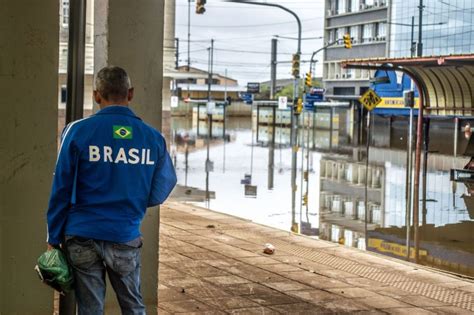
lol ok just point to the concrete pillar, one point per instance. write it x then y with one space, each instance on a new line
29 46
130 34
169 58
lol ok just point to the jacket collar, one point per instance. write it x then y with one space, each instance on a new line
117 109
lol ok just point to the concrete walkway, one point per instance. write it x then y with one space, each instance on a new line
212 263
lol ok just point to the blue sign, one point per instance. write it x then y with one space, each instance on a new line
314 96
247 97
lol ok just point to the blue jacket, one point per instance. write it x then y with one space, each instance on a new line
110 168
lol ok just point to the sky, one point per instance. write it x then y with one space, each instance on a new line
242 36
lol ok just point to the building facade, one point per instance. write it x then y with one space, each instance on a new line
63 53
366 22
446 27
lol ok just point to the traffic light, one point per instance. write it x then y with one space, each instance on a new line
409 98
200 6
308 80
295 65
305 199
347 41
299 105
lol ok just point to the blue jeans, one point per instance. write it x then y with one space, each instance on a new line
91 260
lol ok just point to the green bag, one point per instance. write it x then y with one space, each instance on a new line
53 269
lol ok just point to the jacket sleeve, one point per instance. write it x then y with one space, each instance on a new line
61 192
164 177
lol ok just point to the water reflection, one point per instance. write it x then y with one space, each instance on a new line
251 179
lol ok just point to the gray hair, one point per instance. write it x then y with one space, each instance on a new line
112 83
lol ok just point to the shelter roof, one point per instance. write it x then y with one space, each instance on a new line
447 82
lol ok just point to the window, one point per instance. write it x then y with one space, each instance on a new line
354 32
344 90
340 33
342 8
349 73
354 5
334 9
331 36
214 81
63 94
381 30
367 33
65 14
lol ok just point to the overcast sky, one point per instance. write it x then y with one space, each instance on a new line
243 34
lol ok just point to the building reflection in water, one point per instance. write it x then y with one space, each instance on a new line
336 173
446 231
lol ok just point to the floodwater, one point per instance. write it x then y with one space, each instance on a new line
250 177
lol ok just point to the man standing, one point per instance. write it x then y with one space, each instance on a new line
110 168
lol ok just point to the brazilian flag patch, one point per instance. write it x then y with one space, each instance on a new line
122 132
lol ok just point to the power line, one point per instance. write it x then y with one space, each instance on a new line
449 4
435 37
240 64
247 38
249 25
250 51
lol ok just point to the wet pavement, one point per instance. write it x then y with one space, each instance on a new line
213 263
249 177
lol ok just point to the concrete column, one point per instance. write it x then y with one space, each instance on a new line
29 47
130 34
169 57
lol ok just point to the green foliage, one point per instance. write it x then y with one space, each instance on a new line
264 92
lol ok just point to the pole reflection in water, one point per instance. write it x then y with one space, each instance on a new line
338 197
271 151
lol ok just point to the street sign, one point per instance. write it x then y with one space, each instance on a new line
315 95
209 166
253 87
174 101
247 97
370 99
250 191
282 102
211 106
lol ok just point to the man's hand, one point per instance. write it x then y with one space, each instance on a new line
50 247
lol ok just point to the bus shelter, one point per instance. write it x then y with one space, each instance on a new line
446 87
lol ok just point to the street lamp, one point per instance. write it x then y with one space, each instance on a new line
294 112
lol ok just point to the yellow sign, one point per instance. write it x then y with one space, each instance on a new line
393 248
395 102
370 99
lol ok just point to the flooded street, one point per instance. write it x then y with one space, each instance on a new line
251 178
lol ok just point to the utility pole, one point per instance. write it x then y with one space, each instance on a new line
273 65
209 117
209 78
412 44
420 29
294 112
176 54
189 35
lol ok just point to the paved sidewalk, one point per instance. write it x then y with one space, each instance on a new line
212 263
